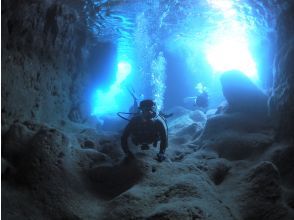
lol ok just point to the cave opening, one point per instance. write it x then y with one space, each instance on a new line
194 46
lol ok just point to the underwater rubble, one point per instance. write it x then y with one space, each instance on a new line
235 174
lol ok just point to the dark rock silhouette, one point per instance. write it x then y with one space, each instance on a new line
243 95
111 181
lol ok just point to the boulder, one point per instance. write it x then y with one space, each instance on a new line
242 94
45 160
234 145
261 198
15 142
282 157
232 122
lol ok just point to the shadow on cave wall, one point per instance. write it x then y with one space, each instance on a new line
108 182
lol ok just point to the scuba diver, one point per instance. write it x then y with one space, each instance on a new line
146 128
201 100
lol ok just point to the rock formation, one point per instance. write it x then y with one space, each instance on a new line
281 102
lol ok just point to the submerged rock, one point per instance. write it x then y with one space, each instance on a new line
242 95
111 181
15 142
262 194
235 136
185 125
46 174
235 132
239 145
282 156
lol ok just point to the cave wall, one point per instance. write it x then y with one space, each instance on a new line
44 46
282 99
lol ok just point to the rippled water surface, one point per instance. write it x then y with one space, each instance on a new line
184 18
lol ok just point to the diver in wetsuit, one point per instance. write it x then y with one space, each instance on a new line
201 100
145 128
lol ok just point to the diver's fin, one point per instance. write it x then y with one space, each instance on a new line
132 93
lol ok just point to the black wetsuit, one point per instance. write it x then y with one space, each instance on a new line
144 131
202 100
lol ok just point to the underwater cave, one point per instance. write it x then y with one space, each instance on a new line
220 76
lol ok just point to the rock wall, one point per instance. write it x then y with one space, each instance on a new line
43 53
281 103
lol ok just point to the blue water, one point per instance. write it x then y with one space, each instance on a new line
205 37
